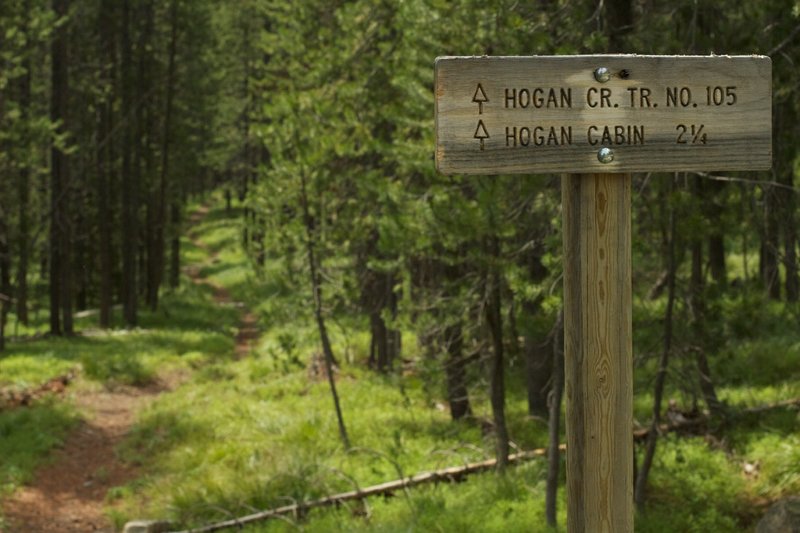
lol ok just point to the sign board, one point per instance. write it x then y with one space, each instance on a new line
603 113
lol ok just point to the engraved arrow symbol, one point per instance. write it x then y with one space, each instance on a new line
481 133
479 98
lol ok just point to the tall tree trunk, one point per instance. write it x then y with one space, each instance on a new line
553 422
783 206
23 197
716 258
697 309
790 243
619 22
60 286
456 373
144 157
175 247
105 160
661 376
538 352
104 214
769 245
713 203
81 247
494 320
380 297
5 276
316 288
129 189
164 187
538 368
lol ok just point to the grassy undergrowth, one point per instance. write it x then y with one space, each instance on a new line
187 333
260 432
256 433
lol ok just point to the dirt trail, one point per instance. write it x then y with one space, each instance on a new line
248 330
68 494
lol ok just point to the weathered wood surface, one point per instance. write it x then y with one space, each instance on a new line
598 352
497 115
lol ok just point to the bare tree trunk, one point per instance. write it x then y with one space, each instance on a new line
769 245
175 253
105 160
538 369
456 373
619 22
5 276
59 177
661 376
789 225
698 310
23 193
538 354
790 260
158 248
713 202
494 320
144 157
129 189
23 197
380 297
316 288
554 422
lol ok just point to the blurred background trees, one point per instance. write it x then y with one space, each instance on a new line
317 117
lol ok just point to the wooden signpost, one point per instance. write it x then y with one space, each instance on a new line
596 119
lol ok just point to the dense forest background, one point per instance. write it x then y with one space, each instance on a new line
312 123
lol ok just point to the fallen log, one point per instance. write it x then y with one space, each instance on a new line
794 402
11 399
452 474
699 421
640 435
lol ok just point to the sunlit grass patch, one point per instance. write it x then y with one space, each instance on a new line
777 458
692 488
261 435
261 432
29 365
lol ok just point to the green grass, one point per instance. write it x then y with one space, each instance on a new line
26 435
188 322
260 432
189 332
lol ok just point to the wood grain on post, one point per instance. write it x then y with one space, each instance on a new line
598 352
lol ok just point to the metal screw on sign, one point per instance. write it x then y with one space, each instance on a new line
602 74
605 155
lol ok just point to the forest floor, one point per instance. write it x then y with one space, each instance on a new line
69 492
218 425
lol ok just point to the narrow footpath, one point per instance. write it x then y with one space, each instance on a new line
69 493
248 331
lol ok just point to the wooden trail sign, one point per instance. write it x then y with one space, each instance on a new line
597 119
501 115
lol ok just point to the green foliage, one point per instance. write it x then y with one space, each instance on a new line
692 489
260 433
326 107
